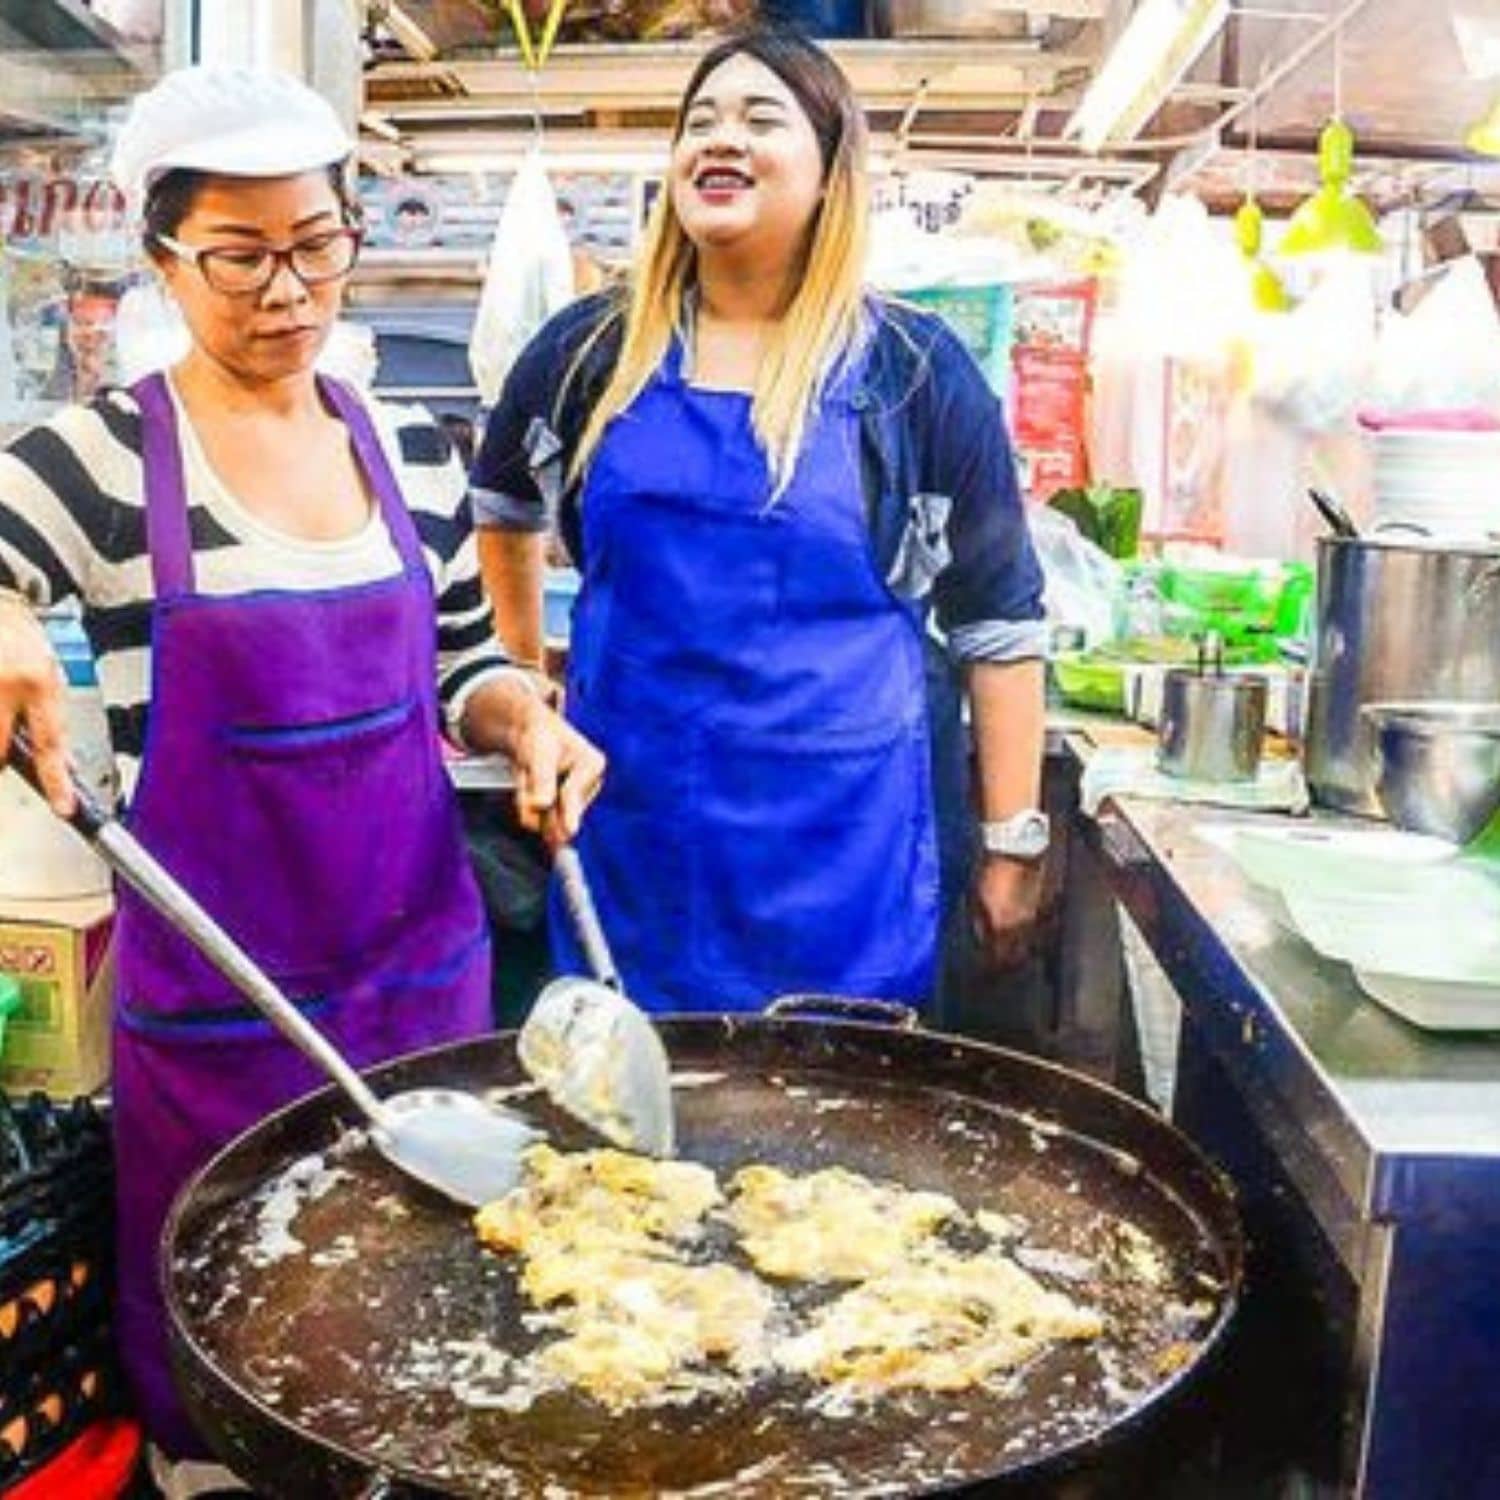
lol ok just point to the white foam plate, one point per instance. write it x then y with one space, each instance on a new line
1435 1004
1449 933
1314 857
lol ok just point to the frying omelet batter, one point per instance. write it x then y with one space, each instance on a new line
644 1329
593 1200
937 1322
832 1225
605 1240
602 1234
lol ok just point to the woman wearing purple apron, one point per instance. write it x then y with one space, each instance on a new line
282 594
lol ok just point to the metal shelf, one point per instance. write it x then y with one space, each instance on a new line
72 36
649 75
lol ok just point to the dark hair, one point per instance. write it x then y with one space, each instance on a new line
171 197
460 432
816 82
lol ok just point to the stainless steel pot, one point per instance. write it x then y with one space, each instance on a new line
1213 727
1394 623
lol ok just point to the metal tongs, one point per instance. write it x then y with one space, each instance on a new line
447 1139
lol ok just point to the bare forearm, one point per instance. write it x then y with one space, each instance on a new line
497 715
511 563
1008 712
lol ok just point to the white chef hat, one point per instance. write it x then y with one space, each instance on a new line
239 122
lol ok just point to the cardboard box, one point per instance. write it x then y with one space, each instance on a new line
61 953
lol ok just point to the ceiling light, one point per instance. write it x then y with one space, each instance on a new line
1333 218
1267 294
1160 42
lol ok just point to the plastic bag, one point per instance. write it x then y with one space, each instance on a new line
1444 356
1082 581
529 277
1312 366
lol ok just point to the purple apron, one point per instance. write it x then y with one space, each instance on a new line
292 781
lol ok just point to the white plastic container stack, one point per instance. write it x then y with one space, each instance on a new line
1417 920
1441 484
41 858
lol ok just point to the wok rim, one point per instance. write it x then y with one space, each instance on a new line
1219 1211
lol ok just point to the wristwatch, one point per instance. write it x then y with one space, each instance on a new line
1024 836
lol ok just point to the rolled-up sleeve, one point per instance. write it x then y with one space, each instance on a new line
508 485
989 596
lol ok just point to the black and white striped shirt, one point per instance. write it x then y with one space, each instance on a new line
73 526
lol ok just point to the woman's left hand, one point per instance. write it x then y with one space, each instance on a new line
1003 909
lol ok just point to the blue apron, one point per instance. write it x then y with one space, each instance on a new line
766 823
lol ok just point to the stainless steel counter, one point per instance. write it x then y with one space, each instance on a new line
1366 1152
1408 1119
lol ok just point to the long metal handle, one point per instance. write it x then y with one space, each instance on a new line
580 904
144 873
1338 519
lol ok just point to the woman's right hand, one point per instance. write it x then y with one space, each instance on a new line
31 689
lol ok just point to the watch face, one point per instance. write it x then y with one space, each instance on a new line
1023 837
1031 837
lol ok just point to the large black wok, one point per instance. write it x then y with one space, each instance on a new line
368 1355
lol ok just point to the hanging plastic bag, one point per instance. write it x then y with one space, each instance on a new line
529 277
1313 365
1444 356
1082 582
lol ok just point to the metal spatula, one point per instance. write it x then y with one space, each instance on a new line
591 1047
445 1138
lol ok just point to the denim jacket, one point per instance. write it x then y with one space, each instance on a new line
947 524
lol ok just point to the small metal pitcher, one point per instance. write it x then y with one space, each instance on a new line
1213 724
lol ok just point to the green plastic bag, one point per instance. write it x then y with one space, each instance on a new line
1108 517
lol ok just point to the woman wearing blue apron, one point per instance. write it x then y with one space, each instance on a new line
786 498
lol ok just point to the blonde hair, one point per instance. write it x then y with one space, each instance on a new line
822 323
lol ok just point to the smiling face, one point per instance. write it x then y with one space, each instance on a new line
747 169
279 331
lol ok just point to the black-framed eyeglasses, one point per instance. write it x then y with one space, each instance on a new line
241 271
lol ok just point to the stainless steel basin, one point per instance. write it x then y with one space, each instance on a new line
1437 765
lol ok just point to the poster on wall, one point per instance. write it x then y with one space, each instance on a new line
1048 411
1056 315
1052 333
1194 452
68 251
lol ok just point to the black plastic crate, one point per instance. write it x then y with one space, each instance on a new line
42 1411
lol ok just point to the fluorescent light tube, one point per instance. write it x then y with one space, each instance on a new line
1160 42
